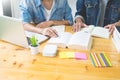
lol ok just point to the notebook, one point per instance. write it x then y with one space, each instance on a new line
97 31
78 41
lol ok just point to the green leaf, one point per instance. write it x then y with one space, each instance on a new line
33 41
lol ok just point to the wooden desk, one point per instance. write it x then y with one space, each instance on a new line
17 63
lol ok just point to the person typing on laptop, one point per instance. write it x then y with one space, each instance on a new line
44 14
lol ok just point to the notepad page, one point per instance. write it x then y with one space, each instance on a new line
61 41
100 32
80 41
59 28
39 37
88 29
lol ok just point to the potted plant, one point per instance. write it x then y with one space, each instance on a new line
34 45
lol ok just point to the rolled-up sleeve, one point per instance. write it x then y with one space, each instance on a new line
68 14
25 14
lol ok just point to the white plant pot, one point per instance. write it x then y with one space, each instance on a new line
34 50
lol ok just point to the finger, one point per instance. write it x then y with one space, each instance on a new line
78 27
52 33
55 31
107 26
47 32
84 25
74 27
112 29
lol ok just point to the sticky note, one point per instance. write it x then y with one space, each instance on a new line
81 56
63 55
70 55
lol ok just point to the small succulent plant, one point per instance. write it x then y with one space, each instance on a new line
33 41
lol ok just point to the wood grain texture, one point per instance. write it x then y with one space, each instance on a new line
17 63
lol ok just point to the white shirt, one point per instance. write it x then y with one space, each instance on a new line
47 12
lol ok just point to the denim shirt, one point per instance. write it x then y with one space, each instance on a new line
33 11
90 10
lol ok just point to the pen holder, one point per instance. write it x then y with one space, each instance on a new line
34 50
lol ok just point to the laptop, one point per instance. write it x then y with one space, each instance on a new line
11 30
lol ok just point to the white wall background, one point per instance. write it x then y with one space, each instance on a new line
15 8
16 11
1 10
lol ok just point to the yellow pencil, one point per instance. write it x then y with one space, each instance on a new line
102 63
94 60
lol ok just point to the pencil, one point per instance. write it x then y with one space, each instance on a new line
92 60
108 61
96 58
103 59
99 58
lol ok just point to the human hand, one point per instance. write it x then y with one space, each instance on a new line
50 32
45 24
78 25
111 28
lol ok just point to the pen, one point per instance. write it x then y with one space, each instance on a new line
55 32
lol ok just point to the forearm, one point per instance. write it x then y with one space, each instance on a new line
64 22
117 23
32 28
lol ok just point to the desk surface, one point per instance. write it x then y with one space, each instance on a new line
17 63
